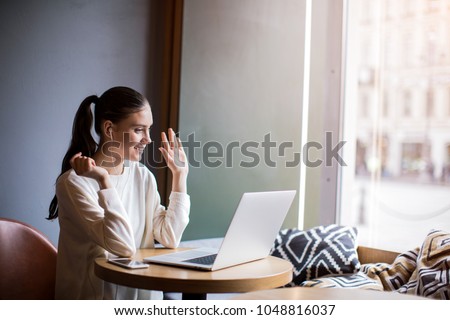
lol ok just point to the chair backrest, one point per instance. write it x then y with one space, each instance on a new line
28 262
372 255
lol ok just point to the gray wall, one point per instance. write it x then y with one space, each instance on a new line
53 54
242 71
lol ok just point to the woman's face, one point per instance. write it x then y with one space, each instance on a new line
131 135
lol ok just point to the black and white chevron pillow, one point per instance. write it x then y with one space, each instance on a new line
320 251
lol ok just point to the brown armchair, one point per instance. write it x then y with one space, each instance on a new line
28 262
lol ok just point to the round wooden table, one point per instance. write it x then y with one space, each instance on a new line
307 293
267 273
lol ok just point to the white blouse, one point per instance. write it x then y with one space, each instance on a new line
111 222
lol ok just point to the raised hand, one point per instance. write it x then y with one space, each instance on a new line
173 152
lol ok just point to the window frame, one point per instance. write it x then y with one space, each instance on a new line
324 184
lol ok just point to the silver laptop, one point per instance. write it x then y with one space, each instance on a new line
250 236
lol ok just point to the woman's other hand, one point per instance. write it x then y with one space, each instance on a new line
86 167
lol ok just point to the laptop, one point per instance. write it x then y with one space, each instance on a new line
250 236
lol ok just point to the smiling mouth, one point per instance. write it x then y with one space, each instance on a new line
140 148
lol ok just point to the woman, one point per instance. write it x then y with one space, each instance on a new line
107 201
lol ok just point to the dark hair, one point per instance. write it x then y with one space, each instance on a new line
114 104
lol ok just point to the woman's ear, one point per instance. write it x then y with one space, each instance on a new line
108 129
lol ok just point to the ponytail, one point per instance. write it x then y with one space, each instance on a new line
82 141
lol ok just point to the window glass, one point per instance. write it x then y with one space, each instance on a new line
399 93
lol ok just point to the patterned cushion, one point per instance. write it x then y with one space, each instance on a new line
357 281
431 278
317 252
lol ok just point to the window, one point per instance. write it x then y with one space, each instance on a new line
397 185
406 104
432 5
429 105
448 102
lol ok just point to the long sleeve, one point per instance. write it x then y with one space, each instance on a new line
169 225
165 225
104 220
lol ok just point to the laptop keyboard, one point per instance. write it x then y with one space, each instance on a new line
206 260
